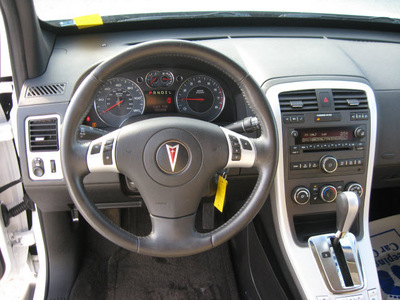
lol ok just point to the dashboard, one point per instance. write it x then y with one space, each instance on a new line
334 94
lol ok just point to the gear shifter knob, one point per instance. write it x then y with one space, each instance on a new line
347 204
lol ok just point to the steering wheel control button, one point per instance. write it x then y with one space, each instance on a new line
96 148
236 149
328 193
107 152
301 195
172 157
234 141
246 145
329 164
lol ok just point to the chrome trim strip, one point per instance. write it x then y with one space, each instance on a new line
300 260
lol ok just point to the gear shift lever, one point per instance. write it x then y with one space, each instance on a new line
347 204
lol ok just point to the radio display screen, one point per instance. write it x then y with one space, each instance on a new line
324 135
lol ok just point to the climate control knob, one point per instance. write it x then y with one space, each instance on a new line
301 195
356 188
328 163
328 193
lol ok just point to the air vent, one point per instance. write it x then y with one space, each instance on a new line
46 90
304 100
349 99
43 135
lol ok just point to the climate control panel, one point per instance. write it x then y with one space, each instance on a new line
321 193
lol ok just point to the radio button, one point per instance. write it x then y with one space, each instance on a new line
329 164
360 146
294 150
295 166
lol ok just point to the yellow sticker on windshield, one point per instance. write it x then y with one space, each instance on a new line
220 195
88 21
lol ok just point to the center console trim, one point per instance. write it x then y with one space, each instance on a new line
301 261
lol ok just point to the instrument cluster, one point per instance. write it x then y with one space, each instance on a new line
156 91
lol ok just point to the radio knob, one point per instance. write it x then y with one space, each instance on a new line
294 133
328 193
329 164
356 188
301 195
360 132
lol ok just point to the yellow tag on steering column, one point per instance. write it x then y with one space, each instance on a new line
220 195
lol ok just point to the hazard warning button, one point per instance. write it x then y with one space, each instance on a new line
325 98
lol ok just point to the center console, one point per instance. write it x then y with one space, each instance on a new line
327 131
326 136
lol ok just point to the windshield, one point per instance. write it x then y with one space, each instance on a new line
50 10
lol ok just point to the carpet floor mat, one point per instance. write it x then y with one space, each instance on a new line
385 239
127 275
204 276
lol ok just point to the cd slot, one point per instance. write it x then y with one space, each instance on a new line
324 149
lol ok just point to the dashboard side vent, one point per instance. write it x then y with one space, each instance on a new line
302 100
349 99
46 90
43 135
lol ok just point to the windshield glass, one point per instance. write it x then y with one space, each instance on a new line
50 10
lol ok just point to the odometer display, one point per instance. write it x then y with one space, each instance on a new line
117 100
201 96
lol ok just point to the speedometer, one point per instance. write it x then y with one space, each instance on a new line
201 96
117 100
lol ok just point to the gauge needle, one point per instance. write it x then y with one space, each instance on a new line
154 79
118 103
193 99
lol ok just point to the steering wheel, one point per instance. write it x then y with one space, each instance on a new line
170 159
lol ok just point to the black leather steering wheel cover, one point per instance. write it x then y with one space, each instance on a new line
73 154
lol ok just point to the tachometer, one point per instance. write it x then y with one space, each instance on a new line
201 96
118 99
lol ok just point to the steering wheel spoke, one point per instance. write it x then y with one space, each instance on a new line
242 150
101 154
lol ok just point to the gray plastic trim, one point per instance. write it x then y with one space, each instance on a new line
300 260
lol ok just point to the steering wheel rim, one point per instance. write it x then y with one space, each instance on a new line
176 237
